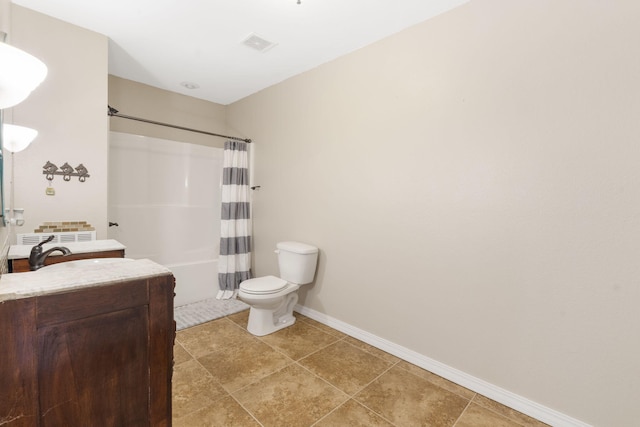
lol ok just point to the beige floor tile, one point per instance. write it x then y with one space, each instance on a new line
221 357
437 380
507 412
235 367
180 355
352 414
477 416
408 400
345 366
291 397
299 340
193 388
321 326
371 349
240 318
223 413
212 336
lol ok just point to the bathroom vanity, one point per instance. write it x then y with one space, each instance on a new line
87 344
19 254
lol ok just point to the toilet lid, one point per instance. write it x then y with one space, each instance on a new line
263 285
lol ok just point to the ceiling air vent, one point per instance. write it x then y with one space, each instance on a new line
256 42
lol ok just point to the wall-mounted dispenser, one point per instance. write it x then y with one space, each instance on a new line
14 216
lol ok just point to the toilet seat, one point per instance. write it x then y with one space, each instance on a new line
263 285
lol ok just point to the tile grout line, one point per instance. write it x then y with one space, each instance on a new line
396 364
204 407
357 403
293 362
206 370
231 394
302 318
498 413
346 340
245 409
337 340
296 362
318 350
227 393
349 396
367 385
462 413
436 384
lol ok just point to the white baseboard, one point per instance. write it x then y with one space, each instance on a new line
505 397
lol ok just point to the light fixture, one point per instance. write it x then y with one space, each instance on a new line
20 74
17 138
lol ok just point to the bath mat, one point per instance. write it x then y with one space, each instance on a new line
204 311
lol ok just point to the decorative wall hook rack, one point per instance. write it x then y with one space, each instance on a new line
49 170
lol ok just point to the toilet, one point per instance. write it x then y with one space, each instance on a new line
272 298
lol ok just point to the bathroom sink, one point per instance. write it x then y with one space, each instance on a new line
82 263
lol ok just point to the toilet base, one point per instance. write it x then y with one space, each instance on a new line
264 321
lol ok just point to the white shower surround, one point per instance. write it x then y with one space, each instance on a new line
165 196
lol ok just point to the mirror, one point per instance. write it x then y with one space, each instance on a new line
2 213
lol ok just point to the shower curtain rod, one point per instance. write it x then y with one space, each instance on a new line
112 112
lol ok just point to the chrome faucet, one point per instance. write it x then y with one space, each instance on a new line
37 257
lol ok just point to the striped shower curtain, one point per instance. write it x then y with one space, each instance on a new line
234 263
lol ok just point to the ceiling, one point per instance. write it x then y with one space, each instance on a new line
164 43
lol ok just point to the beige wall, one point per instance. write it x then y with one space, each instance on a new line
69 111
139 100
473 185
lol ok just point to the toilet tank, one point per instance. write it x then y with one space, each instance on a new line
297 262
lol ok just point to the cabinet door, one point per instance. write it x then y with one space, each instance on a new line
94 371
18 377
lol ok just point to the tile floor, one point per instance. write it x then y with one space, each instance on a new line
312 375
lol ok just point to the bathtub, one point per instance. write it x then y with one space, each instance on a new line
165 197
195 281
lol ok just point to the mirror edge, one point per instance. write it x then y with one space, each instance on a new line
3 223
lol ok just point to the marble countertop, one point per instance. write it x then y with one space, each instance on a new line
42 282
23 251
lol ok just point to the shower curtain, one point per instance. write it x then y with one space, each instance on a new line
234 264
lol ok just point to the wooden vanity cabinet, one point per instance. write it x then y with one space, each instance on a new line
98 356
20 265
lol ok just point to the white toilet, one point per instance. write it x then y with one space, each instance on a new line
272 298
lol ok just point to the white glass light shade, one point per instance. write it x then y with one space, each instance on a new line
20 74
17 138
